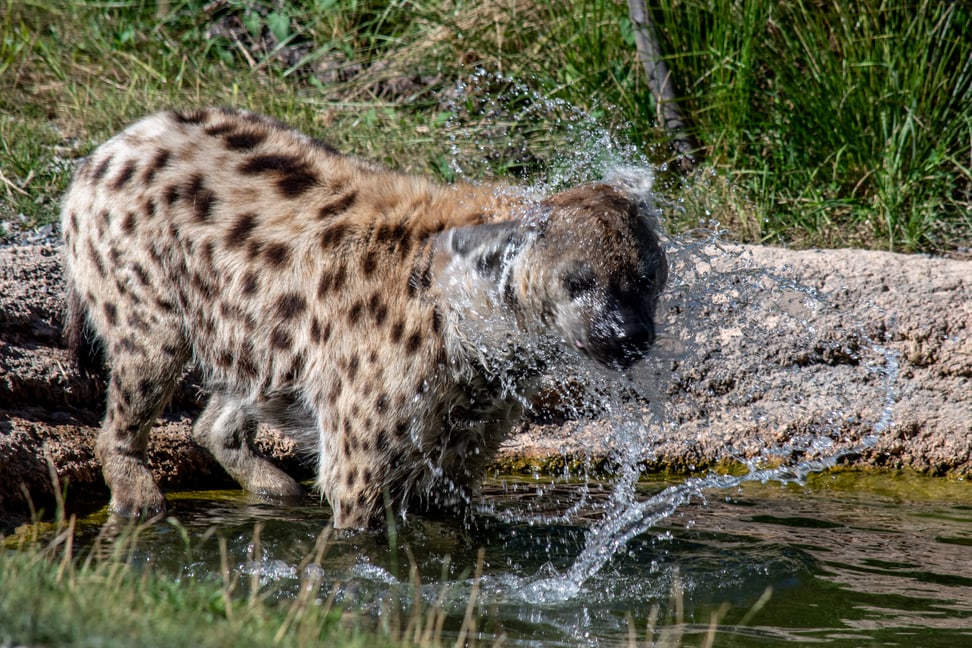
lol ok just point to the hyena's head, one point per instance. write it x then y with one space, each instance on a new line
596 268
584 265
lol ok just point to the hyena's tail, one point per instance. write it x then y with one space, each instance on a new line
86 349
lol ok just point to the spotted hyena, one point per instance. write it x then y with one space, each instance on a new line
395 326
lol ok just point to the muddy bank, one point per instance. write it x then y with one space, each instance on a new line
763 347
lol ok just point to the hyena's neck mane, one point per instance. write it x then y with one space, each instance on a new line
478 273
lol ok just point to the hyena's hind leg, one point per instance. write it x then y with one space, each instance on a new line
145 369
226 428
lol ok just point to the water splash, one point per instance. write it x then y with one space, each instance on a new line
718 297
720 292
500 127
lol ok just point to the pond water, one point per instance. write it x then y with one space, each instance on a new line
848 559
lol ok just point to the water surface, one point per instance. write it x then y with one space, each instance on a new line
847 560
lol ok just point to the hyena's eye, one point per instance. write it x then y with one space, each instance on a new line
579 280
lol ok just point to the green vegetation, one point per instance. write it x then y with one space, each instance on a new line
51 595
47 597
847 123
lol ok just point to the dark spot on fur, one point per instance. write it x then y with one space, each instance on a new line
240 230
290 306
377 309
353 366
190 116
111 313
335 393
315 331
152 208
401 430
338 205
253 249
158 162
231 311
381 403
96 259
352 477
277 254
251 283
413 342
436 321
202 286
293 175
125 175
208 249
280 338
330 281
245 140
170 195
202 199
369 263
165 305
99 171
397 329
141 274
245 364
381 440
295 370
215 130
326 333
333 235
354 313
128 222
224 360
421 276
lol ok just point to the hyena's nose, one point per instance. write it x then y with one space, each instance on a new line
621 344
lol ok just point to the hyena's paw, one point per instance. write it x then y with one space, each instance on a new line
269 483
134 493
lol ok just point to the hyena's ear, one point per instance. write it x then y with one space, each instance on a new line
486 247
636 184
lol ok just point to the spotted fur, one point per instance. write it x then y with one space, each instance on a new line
392 324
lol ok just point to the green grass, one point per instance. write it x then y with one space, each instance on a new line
843 123
53 595
49 597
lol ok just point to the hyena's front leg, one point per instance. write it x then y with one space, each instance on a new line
226 429
351 473
143 377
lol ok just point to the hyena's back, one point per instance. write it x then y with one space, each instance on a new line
229 239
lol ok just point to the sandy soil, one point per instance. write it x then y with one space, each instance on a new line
767 353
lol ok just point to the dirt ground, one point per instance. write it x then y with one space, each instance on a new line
765 352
